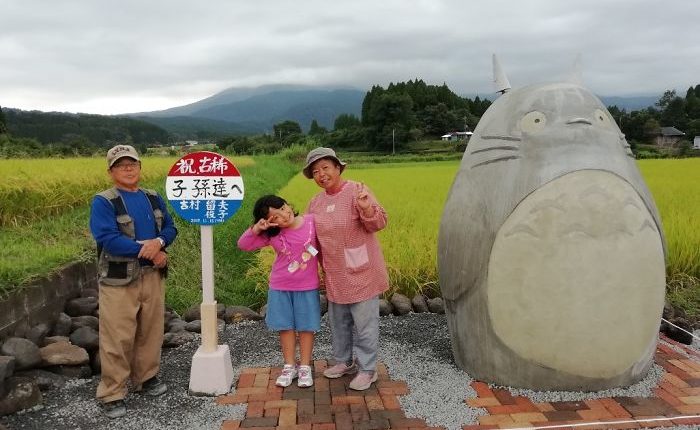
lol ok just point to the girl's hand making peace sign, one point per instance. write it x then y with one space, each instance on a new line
262 225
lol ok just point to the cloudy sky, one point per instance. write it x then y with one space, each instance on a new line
138 55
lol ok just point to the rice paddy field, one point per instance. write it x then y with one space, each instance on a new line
414 193
36 195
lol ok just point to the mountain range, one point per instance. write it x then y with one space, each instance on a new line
256 110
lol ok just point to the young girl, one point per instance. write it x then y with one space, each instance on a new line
292 300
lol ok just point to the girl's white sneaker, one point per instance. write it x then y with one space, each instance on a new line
289 372
306 378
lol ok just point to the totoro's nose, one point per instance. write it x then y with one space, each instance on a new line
579 121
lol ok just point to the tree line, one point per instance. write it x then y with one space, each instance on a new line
41 134
671 110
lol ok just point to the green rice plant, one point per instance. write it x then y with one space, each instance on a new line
674 185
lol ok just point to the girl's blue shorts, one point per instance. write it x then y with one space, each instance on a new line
293 310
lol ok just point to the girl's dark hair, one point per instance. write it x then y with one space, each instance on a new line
262 209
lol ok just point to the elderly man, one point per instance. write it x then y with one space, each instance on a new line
132 228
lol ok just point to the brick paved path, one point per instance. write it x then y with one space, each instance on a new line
678 394
331 405
328 405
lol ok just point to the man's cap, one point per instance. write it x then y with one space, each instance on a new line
318 153
121 151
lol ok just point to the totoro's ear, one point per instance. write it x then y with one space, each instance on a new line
500 80
575 76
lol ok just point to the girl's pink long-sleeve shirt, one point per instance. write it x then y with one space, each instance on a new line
295 267
352 259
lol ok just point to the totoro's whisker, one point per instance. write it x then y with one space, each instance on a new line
631 202
506 158
647 224
504 148
510 138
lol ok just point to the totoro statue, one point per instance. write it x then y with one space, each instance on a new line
550 250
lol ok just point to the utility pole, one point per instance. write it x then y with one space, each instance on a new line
393 150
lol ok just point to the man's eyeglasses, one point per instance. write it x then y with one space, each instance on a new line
126 166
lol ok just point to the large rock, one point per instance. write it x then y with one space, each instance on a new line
45 380
81 372
263 311
63 353
85 321
55 339
86 337
38 333
194 326
240 313
90 292
63 325
171 340
81 306
194 312
419 303
168 316
401 303
436 305
176 325
25 352
7 366
22 393
21 329
385 308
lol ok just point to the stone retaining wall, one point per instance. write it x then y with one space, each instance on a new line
44 299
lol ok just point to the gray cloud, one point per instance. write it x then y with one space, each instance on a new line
112 57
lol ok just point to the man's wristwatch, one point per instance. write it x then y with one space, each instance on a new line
162 242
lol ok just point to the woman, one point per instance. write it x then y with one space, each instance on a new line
347 216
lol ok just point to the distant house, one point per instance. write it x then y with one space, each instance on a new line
191 142
457 135
669 136
696 142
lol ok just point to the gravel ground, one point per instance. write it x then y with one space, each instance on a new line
415 349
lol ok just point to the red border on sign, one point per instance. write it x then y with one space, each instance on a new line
197 158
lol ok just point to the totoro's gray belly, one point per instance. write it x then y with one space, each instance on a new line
576 276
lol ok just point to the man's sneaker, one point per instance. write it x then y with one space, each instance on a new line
363 380
289 372
154 387
114 409
339 370
306 378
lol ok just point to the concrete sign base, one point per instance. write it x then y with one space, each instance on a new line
211 373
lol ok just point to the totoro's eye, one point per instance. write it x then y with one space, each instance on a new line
533 122
601 118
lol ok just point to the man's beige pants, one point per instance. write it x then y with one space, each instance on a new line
131 334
